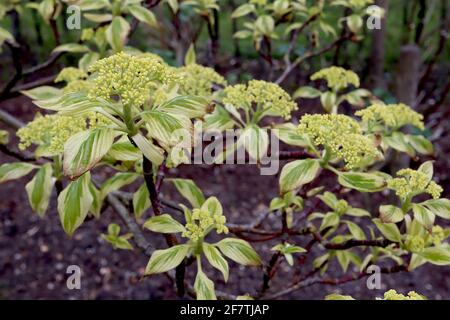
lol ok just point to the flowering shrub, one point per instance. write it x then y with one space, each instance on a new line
131 111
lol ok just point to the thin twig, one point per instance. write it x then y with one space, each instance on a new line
309 55
306 282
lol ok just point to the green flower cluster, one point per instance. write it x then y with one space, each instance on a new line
341 134
393 295
412 182
201 222
77 86
75 79
270 96
198 80
392 115
337 78
129 77
415 243
52 131
341 206
70 74
437 235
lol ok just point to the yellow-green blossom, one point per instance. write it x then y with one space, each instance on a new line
411 182
341 134
87 34
129 77
198 80
415 243
337 78
52 131
269 96
341 206
392 115
437 235
77 86
202 221
393 295
70 74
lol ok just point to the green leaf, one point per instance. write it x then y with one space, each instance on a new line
421 144
255 140
364 182
297 173
328 100
424 216
164 223
143 15
46 9
440 207
39 189
167 259
306 92
173 5
416 261
4 137
213 206
162 125
427 168
218 120
74 203
150 151
16 170
141 201
276 203
98 18
118 181
188 106
125 151
5 35
330 220
113 229
216 259
87 60
287 132
97 201
329 199
85 149
204 287
437 255
343 259
122 243
239 251
358 212
242 10
70 104
355 230
354 23
399 141
71 47
189 58
391 214
242 34
388 230
88 5
189 190
117 32
335 296
265 24
42 93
